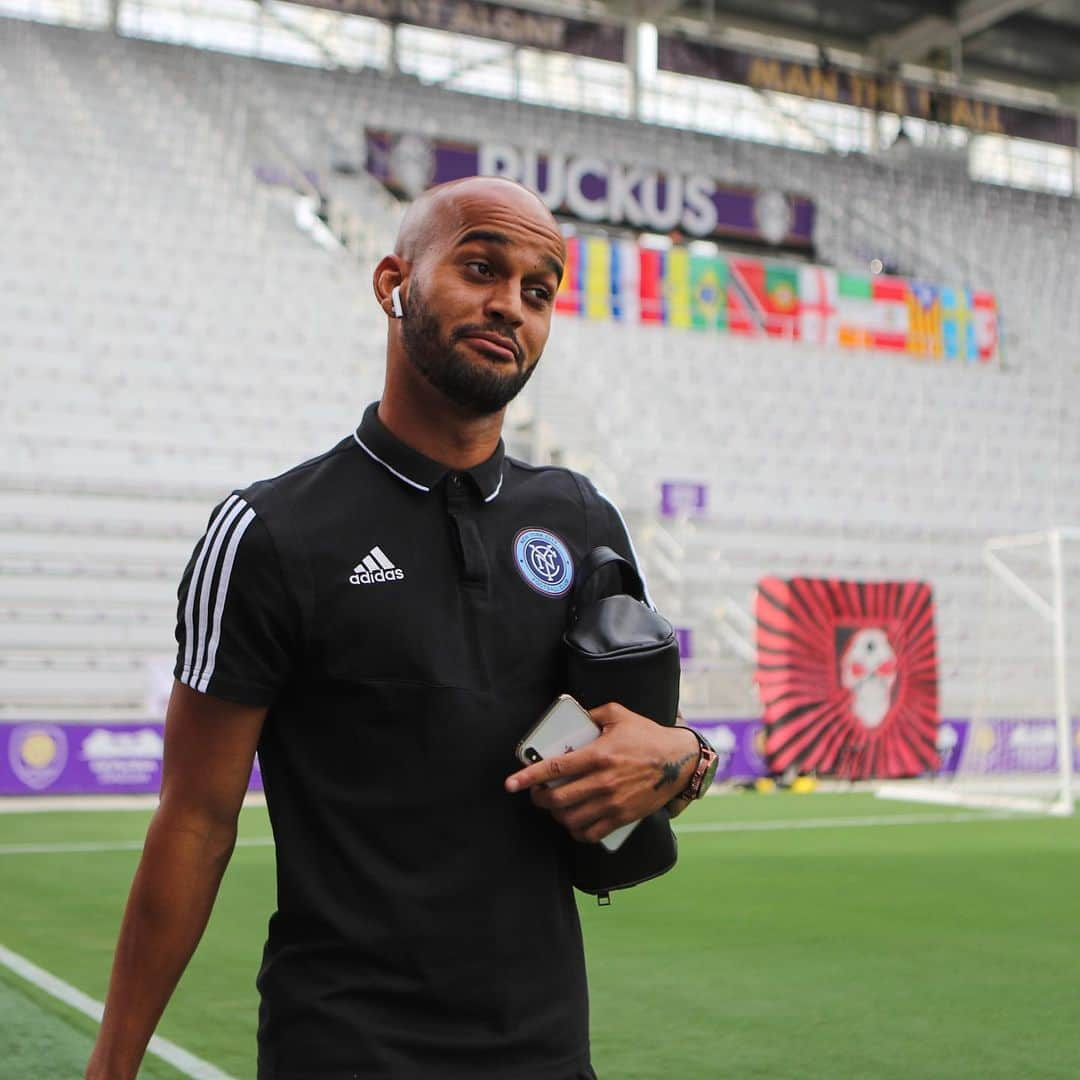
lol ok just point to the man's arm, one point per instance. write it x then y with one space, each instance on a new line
209 749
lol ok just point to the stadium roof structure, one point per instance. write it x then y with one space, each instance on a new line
1027 43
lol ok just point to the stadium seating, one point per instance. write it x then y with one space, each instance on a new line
169 334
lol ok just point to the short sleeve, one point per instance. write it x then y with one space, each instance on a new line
237 626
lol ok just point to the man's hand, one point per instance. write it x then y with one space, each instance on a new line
633 768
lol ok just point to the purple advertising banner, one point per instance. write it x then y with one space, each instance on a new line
599 191
501 22
685 637
1002 745
739 746
677 498
40 758
997 747
848 86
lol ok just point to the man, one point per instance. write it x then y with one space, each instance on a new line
383 624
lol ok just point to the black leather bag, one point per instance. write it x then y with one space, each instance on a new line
619 649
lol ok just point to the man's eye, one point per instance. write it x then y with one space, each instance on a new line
480 267
540 292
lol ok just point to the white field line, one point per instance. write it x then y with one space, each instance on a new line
79 848
689 827
843 822
37 804
178 1058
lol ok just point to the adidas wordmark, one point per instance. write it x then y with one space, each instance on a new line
375 568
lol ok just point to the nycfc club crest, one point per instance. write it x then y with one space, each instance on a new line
543 560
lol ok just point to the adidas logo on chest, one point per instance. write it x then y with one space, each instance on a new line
375 569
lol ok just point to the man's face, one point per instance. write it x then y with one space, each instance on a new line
480 298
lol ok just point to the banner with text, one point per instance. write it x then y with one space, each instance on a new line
500 22
848 86
596 190
1002 746
739 744
683 498
996 747
41 758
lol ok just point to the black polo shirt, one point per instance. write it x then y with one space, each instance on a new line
402 622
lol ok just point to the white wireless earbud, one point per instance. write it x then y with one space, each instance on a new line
395 302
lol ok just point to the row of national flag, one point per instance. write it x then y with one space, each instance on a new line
622 281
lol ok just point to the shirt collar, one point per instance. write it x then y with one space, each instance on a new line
413 468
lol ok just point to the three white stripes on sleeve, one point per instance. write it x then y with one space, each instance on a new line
215 561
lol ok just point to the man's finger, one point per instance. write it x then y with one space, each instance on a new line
557 769
605 715
574 792
592 832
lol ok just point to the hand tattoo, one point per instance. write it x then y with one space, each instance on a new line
669 771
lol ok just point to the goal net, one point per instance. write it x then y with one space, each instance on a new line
1017 747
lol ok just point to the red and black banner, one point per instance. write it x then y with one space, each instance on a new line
848 677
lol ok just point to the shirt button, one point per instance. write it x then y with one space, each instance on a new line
455 479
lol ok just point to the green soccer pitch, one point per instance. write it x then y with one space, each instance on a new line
829 936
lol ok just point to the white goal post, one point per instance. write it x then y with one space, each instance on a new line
1052 792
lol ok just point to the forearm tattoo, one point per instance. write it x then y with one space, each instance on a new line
669 771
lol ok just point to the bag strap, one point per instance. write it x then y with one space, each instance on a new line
596 521
596 531
597 559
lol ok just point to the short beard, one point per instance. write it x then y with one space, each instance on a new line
478 388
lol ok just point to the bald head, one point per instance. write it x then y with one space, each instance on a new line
470 290
441 211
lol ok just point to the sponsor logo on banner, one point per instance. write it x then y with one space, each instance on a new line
678 497
949 743
500 22
413 162
1002 746
123 758
37 754
724 743
84 759
773 215
599 190
1032 746
734 743
850 86
753 748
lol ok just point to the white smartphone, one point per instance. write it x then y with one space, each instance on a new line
564 727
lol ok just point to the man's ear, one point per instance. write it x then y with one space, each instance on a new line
389 276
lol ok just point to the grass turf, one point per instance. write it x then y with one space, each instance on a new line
936 949
41 1040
